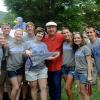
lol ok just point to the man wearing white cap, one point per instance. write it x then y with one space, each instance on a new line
54 43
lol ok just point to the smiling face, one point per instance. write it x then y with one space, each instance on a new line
6 29
90 33
51 30
39 36
18 35
67 34
77 39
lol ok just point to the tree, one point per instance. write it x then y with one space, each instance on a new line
38 11
73 13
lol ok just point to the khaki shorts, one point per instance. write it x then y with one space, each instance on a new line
35 75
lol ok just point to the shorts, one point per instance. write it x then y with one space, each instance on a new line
68 70
82 77
36 75
17 72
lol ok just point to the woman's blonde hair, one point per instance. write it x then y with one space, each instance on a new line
30 23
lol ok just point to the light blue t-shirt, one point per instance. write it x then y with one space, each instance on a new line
39 54
21 26
28 38
95 47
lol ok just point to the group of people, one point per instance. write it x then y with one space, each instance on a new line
40 58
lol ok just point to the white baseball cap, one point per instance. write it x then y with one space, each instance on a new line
50 24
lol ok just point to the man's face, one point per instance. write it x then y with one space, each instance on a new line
51 30
6 30
90 33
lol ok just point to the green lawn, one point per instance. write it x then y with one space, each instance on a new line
95 93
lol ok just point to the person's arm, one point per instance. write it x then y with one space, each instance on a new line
54 56
90 67
5 49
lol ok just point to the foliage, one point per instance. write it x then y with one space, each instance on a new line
73 13
2 14
95 93
9 18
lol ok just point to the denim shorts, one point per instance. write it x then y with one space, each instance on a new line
68 70
17 72
82 77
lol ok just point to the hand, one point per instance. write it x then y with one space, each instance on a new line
56 53
28 53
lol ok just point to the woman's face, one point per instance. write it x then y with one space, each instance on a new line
85 37
78 39
39 36
67 34
18 35
30 28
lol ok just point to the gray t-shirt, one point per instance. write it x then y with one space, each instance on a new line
95 47
68 55
4 60
15 51
80 59
28 38
9 38
38 53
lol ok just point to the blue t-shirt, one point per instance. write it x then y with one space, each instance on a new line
95 47
20 26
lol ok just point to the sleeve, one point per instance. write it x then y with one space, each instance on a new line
87 51
45 47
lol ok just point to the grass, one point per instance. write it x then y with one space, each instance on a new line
95 92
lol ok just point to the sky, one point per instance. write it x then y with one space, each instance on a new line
2 6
